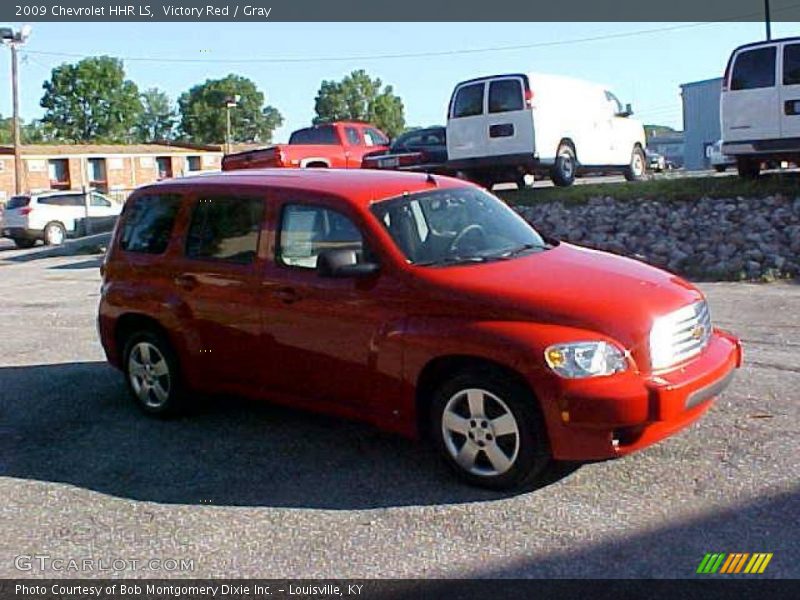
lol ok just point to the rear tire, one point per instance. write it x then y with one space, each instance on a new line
489 430
637 169
748 168
54 234
152 374
565 168
24 242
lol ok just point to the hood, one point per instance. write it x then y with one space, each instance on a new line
572 286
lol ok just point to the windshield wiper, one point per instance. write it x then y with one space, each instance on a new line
520 250
452 260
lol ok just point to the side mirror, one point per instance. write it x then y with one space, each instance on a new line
340 264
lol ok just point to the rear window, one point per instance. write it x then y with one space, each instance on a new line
468 101
324 135
18 202
791 64
64 200
148 223
225 229
505 95
754 69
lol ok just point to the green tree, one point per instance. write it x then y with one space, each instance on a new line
358 97
32 132
203 110
158 118
91 101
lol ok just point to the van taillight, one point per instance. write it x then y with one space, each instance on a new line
25 210
528 98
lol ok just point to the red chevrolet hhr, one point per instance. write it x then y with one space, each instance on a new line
422 304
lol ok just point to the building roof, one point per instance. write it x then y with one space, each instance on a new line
702 82
359 186
106 149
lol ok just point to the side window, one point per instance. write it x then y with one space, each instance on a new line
373 137
754 69
468 101
505 95
791 64
352 136
62 200
225 229
98 200
308 230
148 223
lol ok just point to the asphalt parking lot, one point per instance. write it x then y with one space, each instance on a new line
241 489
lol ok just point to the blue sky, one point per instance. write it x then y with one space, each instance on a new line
645 70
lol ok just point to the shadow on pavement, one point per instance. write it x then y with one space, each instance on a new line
92 263
74 423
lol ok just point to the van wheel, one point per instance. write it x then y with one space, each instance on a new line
565 167
489 430
748 168
152 375
637 169
720 168
24 242
54 234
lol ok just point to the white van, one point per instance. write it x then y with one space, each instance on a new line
504 127
760 105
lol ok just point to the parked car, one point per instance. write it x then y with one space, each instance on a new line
418 150
719 161
760 105
334 145
503 127
420 303
656 162
56 215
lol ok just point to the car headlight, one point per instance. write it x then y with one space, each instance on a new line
578 360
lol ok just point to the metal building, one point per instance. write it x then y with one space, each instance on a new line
701 124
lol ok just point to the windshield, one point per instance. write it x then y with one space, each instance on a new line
457 225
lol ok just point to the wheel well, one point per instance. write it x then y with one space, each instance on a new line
438 370
129 323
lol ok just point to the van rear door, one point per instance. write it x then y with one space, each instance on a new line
750 105
790 91
509 123
466 124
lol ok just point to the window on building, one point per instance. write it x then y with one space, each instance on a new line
754 69
791 64
59 173
469 101
164 167
505 95
225 229
97 173
148 223
193 163
308 230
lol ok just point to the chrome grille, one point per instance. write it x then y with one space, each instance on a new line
680 335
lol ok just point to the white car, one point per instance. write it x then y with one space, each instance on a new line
760 105
719 161
54 216
504 127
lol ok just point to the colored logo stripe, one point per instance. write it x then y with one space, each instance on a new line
735 562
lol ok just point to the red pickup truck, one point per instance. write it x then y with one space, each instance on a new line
339 145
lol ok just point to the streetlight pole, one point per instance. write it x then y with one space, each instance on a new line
767 20
230 102
13 40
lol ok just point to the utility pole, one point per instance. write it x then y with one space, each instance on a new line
767 20
230 102
13 40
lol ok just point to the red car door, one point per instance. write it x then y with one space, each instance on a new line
330 337
217 279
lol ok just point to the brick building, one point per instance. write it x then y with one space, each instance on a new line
115 169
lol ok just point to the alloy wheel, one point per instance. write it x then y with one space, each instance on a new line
149 375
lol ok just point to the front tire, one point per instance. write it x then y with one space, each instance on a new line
637 169
152 374
54 234
489 430
748 168
565 168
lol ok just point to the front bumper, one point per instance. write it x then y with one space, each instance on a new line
601 418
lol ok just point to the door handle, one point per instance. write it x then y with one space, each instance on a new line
187 282
287 295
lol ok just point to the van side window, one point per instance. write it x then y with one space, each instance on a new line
308 230
63 200
754 69
469 101
505 95
791 64
225 229
148 223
